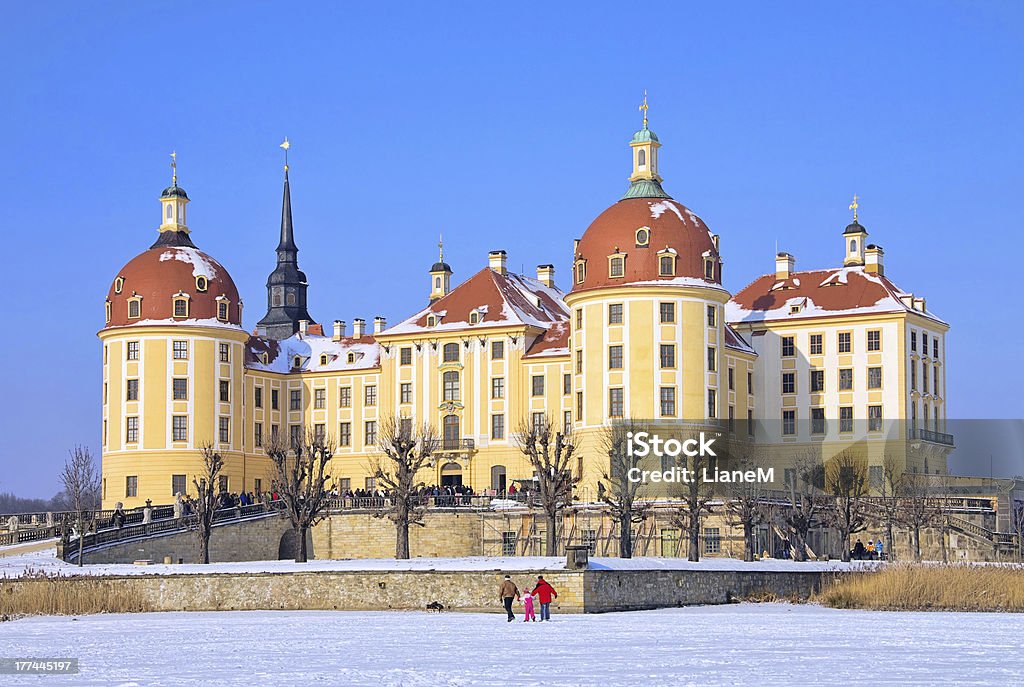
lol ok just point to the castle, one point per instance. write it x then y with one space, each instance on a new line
821 358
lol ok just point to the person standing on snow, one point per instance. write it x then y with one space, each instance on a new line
528 613
508 593
544 593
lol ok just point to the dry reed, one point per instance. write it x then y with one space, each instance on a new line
35 593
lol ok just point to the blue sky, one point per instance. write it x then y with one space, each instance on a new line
503 127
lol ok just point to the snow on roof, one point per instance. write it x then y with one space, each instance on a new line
201 266
183 322
309 348
658 209
554 342
734 340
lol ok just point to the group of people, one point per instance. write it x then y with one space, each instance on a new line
873 551
542 594
447 495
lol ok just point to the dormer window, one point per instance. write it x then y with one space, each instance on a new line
581 271
616 266
201 283
476 317
264 358
643 237
297 362
107 308
180 306
222 308
323 359
134 307
351 358
709 269
431 320
118 284
666 264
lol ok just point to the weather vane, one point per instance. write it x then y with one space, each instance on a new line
174 168
853 206
286 145
643 108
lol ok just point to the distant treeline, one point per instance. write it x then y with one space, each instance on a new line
9 504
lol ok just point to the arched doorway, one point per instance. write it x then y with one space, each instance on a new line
451 475
498 479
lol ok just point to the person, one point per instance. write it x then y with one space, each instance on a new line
528 613
858 550
880 549
871 550
544 593
508 593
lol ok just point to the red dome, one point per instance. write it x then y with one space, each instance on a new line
673 230
162 272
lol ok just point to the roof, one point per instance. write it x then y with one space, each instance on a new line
818 293
500 300
309 348
644 135
554 342
735 341
174 191
645 188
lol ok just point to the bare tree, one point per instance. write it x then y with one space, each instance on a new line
804 502
616 489
550 454
917 510
893 479
846 481
407 450
206 499
81 478
1018 528
697 496
300 480
746 504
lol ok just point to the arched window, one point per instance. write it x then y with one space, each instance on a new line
616 267
666 266
450 384
581 271
296 362
641 158
451 432
181 307
451 353
290 298
709 269
323 358
169 211
351 357
107 306
278 297
853 245
437 282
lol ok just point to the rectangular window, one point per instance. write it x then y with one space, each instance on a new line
345 434
845 342
712 540
935 347
924 344
566 421
497 426
668 313
370 483
788 422
615 313
257 485
537 421
370 433
508 543
732 418
319 399
405 356
131 486
225 390
615 357
712 359
668 401
579 319
450 353
257 434
131 434
935 378
579 362
257 397
817 381
498 387
750 383
846 379
274 403
566 384
275 431
295 435
789 382
712 315
405 392
874 378
913 341
178 485
913 374
345 397
845 419
712 403
222 483
320 431
668 355
817 345
537 383
874 340
874 418
180 350
451 388
579 405
615 407
223 429
817 420
370 395
225 352
924 376
132 392
788 347
295 399
732 381
179 428
133 350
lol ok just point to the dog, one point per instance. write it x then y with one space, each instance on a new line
435 607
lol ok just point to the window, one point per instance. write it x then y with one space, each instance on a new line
431 320
275 431
320 431
405 392
788 347
874 418
874 340
319 399
295 436
666 266
668 355
345 397
924 344
222 483
257 434
712 359
913 374
180 386
616 266
497 350
178 485
118 284
498 426
131 486
350 358
498 387
132 392
924 376
668 313
451 387
579 362
537 421
295 399
579 319
732 383
817 345
323 359
643 235
201 283
789 382
222 310
709 269
750 383
181 307
935 347
508 543
712 540
405 356
913 341
225 352
845 419
712 315
567 422
180 350
474 317
874 378
615 313
134 307
537 383
370 396
579 404
845 342
179 428
817 420
732 418
566 384
712 403
371 483
451 352
370 433
668 401
581 271
615 408
615 357
133 350
345 434
935 378
641 158
257 397
257 485
274 404
225 390
131 430
817 381
788 422
846 379
223 429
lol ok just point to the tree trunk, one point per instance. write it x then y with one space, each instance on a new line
303 554
748 542
915 538
889 551
551 545
204 544
694 553
81 543
402 537
846 547
625 536
799 542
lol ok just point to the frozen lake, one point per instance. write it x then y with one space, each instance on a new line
762 644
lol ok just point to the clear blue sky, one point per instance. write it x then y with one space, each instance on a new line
503 127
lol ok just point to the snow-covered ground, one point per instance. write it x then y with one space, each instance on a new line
746 644
13 566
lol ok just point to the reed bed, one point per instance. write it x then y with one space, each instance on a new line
35 593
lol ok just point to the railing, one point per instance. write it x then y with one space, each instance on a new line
930 436
22 536
998 539
458 444
344 503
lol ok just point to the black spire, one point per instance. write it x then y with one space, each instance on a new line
287 244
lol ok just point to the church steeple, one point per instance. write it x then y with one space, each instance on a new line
645 182
286 285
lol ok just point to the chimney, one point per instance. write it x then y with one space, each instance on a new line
496 260
379 324
303 327
546 275
339 330
785 265
714 240
358 327
873 260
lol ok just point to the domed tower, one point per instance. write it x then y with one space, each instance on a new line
647 306
172 367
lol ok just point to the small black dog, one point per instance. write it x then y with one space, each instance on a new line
435 607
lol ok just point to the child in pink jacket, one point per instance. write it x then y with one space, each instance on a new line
528 607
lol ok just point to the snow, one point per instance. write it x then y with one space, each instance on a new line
201 265
762 644
184 322
309 348
658 209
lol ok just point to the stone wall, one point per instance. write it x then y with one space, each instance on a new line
443 534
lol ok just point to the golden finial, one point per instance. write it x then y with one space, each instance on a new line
853 206
440 247
286 145
174 168
643 108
